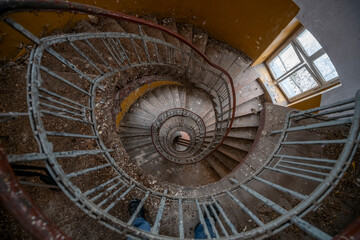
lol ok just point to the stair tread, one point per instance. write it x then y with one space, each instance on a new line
220 168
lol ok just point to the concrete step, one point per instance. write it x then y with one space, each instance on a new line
129 132
159 94
246 121
219 168
136 118
134 110
168 96
244 133
238 143
232 152
145 105
111 25
136 142
251 91
199 39
175 95
186 31
229 162
155 33
182 96
83 26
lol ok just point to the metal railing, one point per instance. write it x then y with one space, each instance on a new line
285 171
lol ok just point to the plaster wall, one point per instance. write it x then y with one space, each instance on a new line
250 26
336 25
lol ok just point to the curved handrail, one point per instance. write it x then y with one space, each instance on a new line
7 7
19 204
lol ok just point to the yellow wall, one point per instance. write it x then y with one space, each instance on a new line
249 26
308 103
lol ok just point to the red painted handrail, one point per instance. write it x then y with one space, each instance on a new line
21 207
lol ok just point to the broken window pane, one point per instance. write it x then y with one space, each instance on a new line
276 67
303 79
308 42
289 57
325 67
289 87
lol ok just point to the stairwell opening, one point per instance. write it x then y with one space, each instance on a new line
104 174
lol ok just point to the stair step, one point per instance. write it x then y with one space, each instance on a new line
155 33
199 39
220 168
251 91
84 26
226 160
238 143
175 95
136 142
246 121
168 96
186 31
145 105
246 77
244 133
232 152
182 96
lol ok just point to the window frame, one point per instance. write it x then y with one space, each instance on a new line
305 60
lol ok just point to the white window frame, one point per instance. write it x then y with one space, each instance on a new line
307 61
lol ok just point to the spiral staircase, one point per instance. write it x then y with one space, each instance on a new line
122 107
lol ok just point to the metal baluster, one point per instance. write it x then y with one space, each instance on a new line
42 156
281 188
22 30
101 186
211 221
97 53
342 109
69 64
218 220
323 107
65 117
85 57
141 204
202 220
156 226
181 222
227 220
109 189
306 158
61 103
117 50
123 50
246 210
316 125
313 231
110 196
295 174
303 170
119 198
145 45
136 51
64 98
78 173
64 134
64 80
61 109
338 141
156 52
307 165
112 54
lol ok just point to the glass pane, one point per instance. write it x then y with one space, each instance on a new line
303 79
289 57
325 67
308 42
289 87
276 67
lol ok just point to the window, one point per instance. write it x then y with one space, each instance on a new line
302 66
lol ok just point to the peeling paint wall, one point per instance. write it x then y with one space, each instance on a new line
249 26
